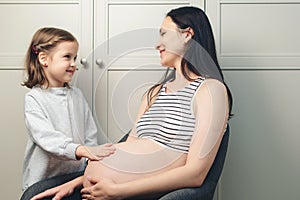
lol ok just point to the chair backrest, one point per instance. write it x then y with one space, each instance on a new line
218 164
207 189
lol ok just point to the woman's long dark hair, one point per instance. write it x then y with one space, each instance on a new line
200 56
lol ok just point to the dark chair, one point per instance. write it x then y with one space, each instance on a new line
205 192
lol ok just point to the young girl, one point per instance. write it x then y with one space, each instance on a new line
59 122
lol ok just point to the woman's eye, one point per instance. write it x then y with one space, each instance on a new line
162 33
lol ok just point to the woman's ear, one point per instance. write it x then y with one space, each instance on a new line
43 59
188 34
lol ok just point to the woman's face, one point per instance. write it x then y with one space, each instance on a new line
171 44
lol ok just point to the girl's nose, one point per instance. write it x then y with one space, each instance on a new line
73 64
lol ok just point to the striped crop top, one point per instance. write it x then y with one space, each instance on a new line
170 120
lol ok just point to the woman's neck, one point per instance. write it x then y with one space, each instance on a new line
178 83
179 77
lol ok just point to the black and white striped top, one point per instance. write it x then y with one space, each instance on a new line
170 120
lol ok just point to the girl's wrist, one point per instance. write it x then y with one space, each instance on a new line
79 152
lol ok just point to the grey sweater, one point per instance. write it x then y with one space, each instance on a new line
58 120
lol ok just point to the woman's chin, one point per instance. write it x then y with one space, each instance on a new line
164 63
168 62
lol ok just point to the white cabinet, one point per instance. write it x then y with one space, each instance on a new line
263 155
19 20
13 135
259 47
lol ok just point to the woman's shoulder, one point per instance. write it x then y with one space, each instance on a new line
209 83
212 87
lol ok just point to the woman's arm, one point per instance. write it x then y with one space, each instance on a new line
61 191
211 113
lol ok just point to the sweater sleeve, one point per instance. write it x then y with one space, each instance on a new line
43 134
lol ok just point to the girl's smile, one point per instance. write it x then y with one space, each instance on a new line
60 64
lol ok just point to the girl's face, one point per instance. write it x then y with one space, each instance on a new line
60 63
171 44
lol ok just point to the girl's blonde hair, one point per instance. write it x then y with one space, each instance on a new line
43 40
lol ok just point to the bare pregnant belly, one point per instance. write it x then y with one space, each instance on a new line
135 159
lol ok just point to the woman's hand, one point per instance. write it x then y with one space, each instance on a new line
58 192
103 189
95 153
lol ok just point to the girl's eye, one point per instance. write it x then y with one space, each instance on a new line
67 56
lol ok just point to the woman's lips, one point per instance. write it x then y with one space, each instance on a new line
160 52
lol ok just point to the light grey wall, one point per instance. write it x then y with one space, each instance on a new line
263 157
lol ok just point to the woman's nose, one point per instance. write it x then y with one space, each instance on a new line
158 44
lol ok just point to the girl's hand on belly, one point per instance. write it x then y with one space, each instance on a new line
95 152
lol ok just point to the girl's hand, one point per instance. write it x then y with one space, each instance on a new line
95 153
103 189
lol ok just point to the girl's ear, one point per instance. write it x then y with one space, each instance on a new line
43 59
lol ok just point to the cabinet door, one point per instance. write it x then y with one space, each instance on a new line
126 89
261 62
263 156
126 32
13 133
19 20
